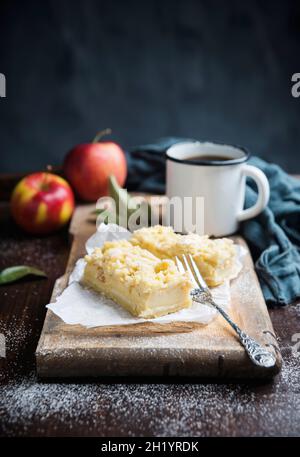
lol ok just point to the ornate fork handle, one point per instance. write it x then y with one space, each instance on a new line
257 353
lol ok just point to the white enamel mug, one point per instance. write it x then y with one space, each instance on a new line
220 183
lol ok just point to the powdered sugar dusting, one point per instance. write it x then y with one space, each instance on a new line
165 409
162 407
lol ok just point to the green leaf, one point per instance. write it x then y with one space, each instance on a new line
120 196
125 204
123 199
12 274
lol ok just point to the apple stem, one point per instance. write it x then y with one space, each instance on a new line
45 179
101 134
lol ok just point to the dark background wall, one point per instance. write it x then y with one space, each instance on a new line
209 69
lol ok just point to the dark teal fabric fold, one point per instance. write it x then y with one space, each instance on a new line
273 236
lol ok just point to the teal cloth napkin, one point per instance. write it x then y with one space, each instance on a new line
273 236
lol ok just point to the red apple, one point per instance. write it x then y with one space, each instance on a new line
42 203
88 167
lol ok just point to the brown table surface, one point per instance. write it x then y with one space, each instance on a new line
123 407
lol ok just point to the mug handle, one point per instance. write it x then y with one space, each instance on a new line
263 192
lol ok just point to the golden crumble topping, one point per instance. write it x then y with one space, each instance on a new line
216 258
135 266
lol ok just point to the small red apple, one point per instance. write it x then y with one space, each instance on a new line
42 203
88 167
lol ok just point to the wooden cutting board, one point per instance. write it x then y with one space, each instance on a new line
148 349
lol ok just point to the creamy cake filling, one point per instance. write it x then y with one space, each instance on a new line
140 282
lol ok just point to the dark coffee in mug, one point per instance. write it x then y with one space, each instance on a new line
209 158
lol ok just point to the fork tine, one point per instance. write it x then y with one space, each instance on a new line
197 273
180 267
188 269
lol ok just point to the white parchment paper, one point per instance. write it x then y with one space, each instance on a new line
80 305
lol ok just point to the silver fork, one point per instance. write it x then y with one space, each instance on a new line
201 294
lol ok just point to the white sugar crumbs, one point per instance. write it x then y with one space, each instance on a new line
157 409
